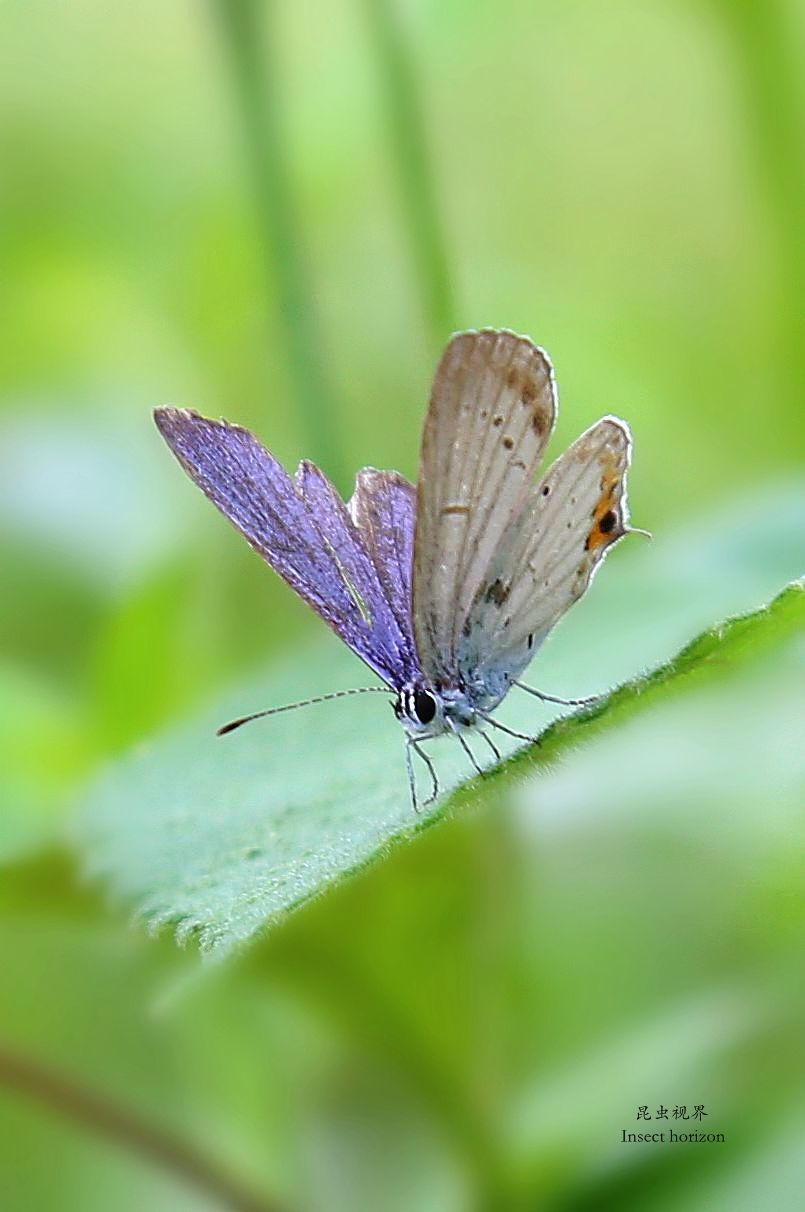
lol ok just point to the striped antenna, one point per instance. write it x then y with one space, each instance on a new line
321 698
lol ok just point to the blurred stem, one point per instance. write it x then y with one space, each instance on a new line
248 29
354 993
766 52
406 127
37 1081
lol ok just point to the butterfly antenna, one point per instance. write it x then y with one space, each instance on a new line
320 698
552 698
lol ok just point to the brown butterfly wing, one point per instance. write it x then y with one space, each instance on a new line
491 413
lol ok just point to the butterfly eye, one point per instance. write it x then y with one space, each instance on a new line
424 706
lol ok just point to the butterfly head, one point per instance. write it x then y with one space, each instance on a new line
427 711
419 709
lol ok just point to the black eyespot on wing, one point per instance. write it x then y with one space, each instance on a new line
424 706
608 521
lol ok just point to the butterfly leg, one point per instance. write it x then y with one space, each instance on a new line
464 745
431 771
521 736
491 744
409 767
552 698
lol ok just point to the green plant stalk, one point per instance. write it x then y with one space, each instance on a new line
245 30
354 994
766 69
406 131
78 1103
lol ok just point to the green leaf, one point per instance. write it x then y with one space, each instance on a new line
712 654
221 837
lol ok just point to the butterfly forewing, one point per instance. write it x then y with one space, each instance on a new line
491 413
570 521
301 527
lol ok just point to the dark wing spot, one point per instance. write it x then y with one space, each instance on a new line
519 380
546 488
497 592
604 526
531 641
539 421
508 442
522 381
498 421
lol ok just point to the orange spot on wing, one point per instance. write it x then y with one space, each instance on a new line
607 525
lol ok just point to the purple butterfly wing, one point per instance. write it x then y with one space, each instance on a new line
301 527
377 583
383 507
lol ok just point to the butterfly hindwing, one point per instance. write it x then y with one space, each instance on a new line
383 508
491 413
572 518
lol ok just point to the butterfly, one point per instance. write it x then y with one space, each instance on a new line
445 590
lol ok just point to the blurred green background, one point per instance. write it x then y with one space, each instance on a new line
279 213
